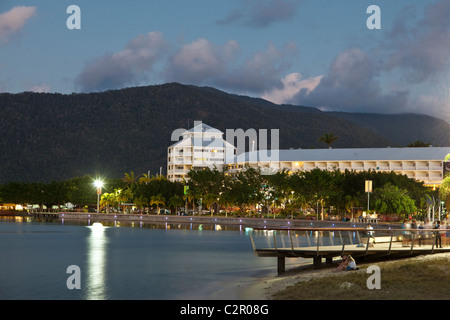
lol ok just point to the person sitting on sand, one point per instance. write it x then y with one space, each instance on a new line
351 264
347 263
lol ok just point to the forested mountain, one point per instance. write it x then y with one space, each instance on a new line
54 136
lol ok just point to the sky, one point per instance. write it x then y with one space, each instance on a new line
316 53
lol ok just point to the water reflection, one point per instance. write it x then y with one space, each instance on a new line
96 265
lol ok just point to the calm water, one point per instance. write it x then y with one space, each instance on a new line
126 262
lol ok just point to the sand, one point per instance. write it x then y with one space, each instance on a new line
265 288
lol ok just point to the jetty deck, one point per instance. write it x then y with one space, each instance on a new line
328 243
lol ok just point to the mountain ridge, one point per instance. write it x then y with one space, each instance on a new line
52 136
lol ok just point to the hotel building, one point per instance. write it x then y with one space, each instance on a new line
203 146
200 147
422 164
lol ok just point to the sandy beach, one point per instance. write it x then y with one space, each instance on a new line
267 287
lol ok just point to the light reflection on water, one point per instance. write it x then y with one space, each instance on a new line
97 244
123 261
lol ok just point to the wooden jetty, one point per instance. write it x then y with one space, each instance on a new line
327 243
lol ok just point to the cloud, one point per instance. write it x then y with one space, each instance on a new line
421 52
202 62
262 71
292 85
406 72
262 13
126 67
351 85
14 20
40 88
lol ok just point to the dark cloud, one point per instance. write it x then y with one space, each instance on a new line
262 71
126 67
262 13
202 62
422 51
414 56
351 85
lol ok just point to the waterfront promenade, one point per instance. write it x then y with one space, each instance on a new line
260 222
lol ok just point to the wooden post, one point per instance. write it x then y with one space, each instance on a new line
281 265
317 262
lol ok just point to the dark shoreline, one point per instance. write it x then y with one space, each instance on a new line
207 220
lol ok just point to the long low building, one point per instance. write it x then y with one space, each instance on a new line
423 164
204 146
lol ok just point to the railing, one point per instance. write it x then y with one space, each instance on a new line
358 241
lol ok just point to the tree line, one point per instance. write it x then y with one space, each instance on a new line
296 193
248 191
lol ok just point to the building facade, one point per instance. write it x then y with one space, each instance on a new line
422 164
199 147
204 146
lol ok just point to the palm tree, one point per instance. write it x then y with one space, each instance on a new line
130 179
108 199
158 199
175 201
209 199
123 196
328 138
350 203
444 189
146 177
188 197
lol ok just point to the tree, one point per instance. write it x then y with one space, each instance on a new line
146 178
350 203
418 144
444 190
157 200
209 199
280 187
130 179
328 138
175 201
317 185
391 199
108 199
246 188
81 191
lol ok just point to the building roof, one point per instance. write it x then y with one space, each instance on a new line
214 142
207 133
201 127
347 154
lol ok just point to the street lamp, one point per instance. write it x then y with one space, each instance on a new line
368 189
99 185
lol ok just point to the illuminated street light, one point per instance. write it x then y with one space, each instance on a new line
98 184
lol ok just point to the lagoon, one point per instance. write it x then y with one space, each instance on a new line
128 261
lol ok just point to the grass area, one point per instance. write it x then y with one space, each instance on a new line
411 280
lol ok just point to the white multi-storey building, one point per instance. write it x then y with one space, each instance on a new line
422 164
200 147
204 146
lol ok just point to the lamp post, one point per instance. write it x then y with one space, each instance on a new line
368 189
99 185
